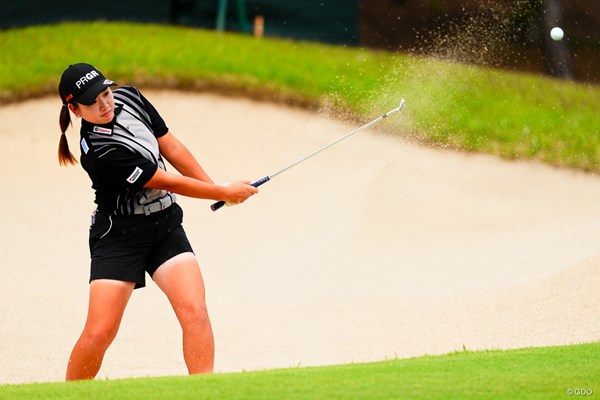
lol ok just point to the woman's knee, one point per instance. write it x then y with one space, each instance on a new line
193 311
98 336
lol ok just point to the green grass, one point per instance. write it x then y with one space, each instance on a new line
533 373
451 105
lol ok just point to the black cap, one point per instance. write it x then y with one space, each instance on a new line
82 83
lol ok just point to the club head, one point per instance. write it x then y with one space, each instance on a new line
395 110
402 105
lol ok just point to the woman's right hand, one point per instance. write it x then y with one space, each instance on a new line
238 192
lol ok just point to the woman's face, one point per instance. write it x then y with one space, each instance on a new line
101 112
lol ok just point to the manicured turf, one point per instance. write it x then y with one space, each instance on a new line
535 373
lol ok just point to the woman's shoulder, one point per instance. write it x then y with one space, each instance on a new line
129 95
127 90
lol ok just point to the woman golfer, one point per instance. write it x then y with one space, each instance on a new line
136 228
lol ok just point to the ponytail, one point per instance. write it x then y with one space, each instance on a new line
65 157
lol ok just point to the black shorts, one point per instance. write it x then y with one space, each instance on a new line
124 248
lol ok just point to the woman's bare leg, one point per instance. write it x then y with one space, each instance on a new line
108 299
180 279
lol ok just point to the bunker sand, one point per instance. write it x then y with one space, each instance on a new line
374 249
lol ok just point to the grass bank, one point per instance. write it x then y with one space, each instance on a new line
451 105
534 373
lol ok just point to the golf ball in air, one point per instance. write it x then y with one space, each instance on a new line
556 33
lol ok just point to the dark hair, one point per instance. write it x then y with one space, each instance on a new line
65 157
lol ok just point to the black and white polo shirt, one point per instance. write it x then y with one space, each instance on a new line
122 156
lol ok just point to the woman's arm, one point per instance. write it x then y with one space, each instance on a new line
181 158
234 193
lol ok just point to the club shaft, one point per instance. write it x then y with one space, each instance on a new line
334 142
267 178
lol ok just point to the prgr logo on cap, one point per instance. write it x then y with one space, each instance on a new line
86 78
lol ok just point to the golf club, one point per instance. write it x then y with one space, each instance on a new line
219 204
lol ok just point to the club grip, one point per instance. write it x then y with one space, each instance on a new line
260 181
219 204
